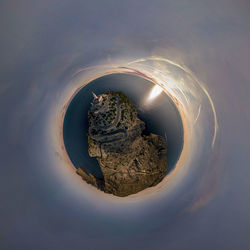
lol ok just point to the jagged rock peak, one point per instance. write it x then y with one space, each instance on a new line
130 161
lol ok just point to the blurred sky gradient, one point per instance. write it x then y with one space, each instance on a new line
43 43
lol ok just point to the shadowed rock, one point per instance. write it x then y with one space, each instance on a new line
130 160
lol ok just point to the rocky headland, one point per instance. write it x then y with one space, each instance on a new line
129 159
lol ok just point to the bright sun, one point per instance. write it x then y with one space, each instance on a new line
156 91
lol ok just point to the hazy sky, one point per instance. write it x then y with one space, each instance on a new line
42 44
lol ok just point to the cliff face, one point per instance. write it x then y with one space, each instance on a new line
129 160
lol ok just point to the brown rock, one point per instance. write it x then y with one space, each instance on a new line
129 160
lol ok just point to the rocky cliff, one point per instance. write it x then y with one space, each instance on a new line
130 160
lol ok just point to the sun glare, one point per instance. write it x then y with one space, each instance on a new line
156 91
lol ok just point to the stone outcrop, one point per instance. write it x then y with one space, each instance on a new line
130 160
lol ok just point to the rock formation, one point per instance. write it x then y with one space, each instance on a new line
130 160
